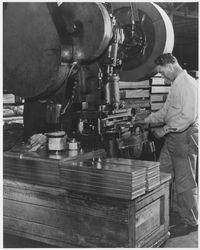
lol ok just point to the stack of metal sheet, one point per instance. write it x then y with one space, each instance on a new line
152 169
31 170
40 167
102 178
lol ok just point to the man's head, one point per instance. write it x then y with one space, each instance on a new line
167 65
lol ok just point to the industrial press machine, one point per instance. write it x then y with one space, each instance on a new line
72 57
80 52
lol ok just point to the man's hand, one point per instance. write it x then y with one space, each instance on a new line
159 132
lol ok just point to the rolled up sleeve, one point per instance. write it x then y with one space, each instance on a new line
160 115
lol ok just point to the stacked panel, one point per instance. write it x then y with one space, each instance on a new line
103 178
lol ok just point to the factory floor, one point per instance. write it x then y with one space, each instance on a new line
185 241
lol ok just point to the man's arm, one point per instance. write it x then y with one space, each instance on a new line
159 115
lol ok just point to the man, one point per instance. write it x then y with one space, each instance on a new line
179 153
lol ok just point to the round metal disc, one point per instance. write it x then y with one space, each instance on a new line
90 29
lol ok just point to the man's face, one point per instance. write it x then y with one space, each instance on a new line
166 71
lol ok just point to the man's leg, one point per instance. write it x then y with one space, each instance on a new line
188 206
166 167
184 162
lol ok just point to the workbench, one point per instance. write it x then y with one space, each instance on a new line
64 218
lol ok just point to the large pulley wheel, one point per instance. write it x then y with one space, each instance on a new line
153 35
40 39
31 50
89 27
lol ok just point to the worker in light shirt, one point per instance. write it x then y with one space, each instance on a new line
179 153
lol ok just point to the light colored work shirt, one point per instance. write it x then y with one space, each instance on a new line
181 107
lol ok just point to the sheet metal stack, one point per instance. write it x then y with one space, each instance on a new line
40 167
152 170
31 169
103 178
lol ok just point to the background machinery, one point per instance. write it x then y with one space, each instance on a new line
72 56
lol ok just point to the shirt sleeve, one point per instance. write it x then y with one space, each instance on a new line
188 113
158 116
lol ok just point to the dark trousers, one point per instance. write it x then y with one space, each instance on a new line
179 156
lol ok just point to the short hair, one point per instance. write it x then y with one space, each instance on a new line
165 59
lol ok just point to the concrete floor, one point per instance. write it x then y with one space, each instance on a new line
186 241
